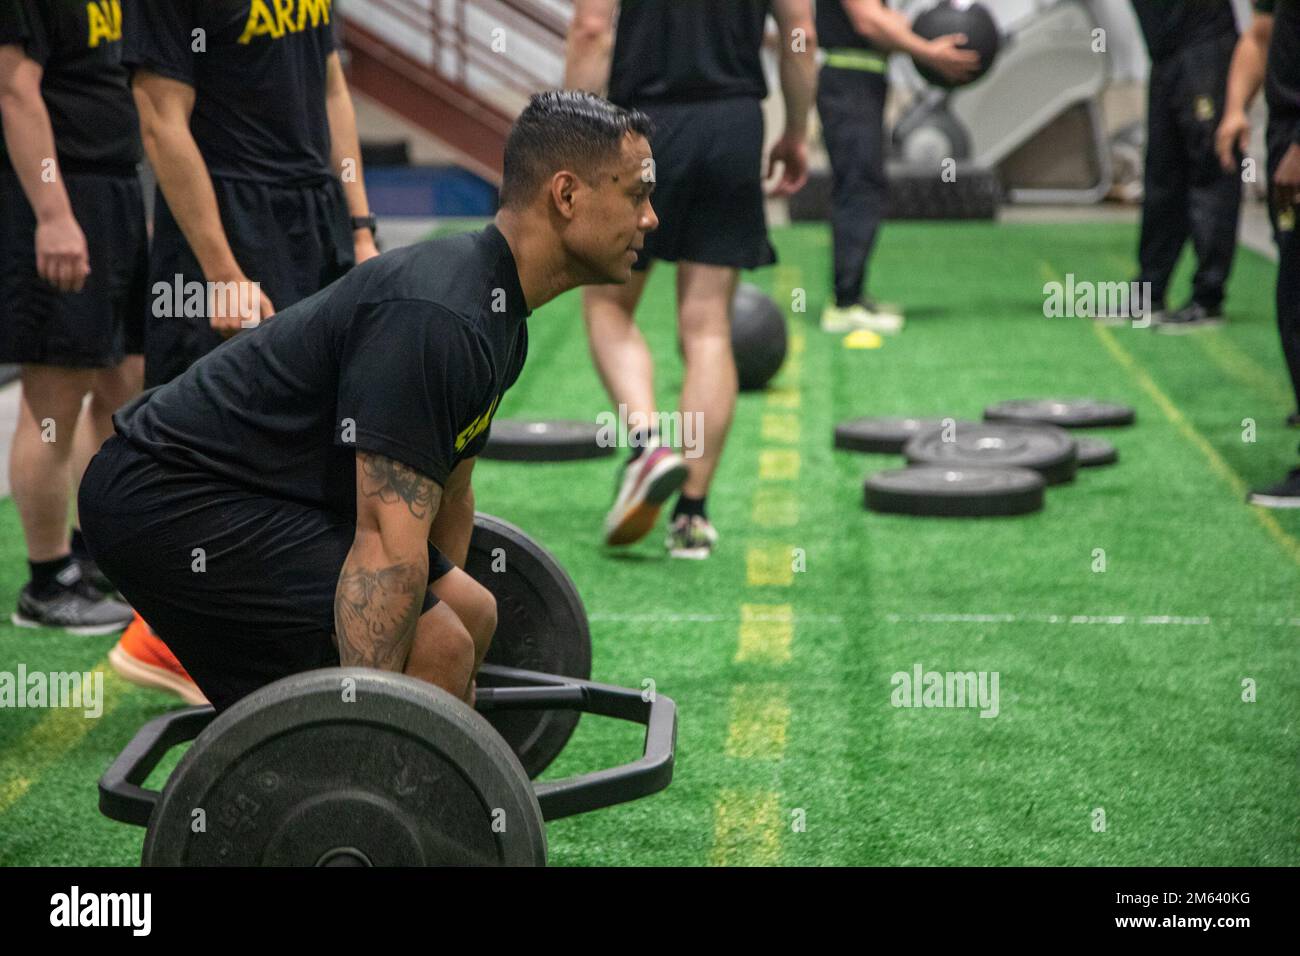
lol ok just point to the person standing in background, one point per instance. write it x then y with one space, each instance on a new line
73 267
695 70
858 36
1268 55
1186 193
250 129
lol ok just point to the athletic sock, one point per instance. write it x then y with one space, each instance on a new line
78 545
687 505
45 572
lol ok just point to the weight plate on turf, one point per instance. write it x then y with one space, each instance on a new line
513 440
1048 450
1096 451
347 766
883 435
541 626
1064 412
955 492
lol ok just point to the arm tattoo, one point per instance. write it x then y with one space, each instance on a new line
391 481
375 610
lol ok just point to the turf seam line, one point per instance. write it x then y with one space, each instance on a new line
1109 619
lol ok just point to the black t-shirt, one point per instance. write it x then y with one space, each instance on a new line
835 29
258 72
1169 26
1282 80
406 356
675 51
79 46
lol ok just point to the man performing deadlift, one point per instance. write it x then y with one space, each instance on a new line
304 491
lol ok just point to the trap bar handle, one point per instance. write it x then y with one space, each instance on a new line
652 772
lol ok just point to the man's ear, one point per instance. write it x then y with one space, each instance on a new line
564 188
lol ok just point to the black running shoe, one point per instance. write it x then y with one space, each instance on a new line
1285 494
73 604
96 578
1293 420
1189 317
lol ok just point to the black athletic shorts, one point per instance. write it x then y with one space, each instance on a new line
104 322
294 240
708 184
239 585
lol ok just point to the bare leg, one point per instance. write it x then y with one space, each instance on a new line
40 462
443 652
474 606
619 349
704 295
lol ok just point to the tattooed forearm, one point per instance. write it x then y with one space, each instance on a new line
391 481
375 610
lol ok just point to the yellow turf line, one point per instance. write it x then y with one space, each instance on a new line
747 822
1238 365
1230 358
1217 463
51 739
1220 467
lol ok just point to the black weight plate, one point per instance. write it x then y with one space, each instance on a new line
880 435
393 772
1063 412
541 626
514 440
1096 451
1048 450
956 492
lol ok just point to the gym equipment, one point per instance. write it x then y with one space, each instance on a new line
959 16
758 338
1046 449
354 767
1094 452
916 191
883 435
514 440
955 491
1035 119
1062 412
541 626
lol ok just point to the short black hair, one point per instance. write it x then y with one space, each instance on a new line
564 129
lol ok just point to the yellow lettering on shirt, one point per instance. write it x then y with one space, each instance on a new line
318 11
284 17
105 20
476 427
280 18
260 23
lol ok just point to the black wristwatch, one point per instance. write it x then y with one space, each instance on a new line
365 222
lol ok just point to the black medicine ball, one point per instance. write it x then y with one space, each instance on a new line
958 16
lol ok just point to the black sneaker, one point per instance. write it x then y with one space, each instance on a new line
96 578
73 604
1285 494
1189 317
1293 420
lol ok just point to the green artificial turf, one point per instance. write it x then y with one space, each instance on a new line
1120 690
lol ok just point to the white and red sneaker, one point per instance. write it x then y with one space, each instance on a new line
644 484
